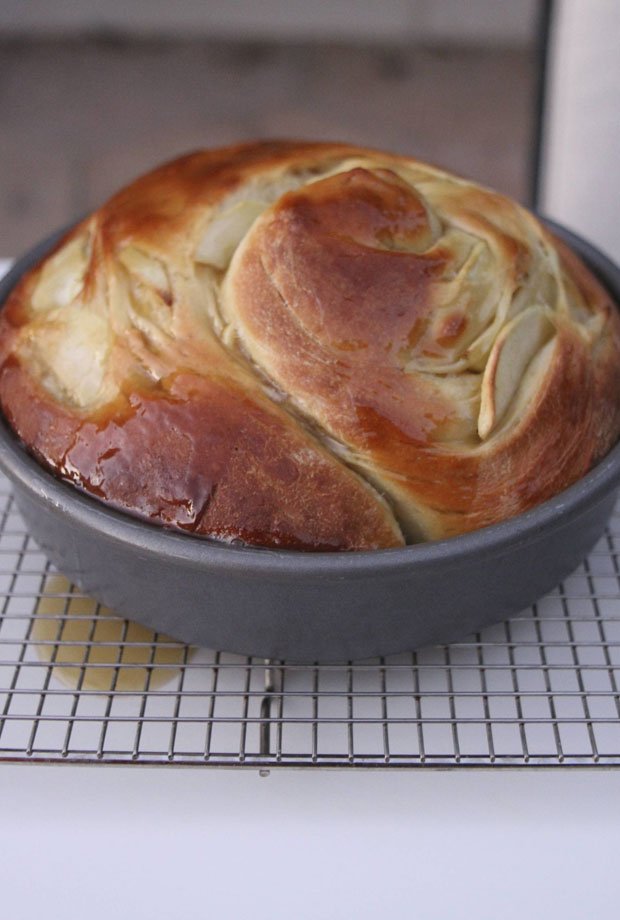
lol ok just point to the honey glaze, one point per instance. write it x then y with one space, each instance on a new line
94 649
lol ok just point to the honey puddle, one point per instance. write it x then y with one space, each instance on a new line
112 644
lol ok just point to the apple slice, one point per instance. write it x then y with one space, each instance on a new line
225 231
69 351
513 350
62 277
147 269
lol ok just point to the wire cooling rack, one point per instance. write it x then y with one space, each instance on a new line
78 685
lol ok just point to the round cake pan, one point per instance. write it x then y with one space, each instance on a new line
311 606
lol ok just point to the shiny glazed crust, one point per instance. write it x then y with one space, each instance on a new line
314 347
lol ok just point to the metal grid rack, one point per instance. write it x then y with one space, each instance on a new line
541 689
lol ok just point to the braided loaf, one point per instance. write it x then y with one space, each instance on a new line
312 346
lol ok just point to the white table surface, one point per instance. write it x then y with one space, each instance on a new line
140 842
101 842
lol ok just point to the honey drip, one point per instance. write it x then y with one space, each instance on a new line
68 621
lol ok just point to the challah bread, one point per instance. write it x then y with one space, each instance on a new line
315 347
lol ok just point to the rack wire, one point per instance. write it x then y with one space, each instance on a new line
540 689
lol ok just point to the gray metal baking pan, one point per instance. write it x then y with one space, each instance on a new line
311 606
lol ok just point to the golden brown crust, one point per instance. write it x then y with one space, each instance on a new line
259 343
206 457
